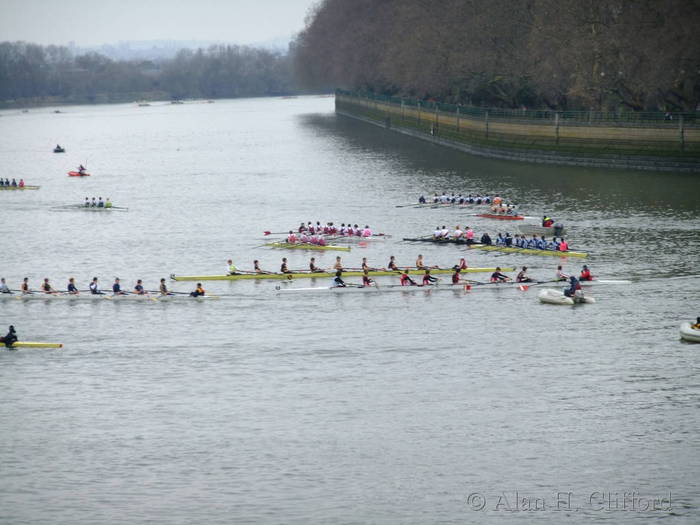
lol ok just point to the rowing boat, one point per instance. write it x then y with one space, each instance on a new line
529 251
321 275
377 289
498 248
78 174
307 246
501 217
19 187
82 207
32 344
534 229
38 296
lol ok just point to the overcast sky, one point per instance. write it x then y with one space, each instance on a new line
93 22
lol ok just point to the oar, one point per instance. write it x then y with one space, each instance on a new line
266 233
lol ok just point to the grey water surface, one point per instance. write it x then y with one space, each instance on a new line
412 407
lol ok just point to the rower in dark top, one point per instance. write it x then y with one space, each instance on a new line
366 281
406 280
164 288
421 200
283 267
574 286
498 277
25 286
392 264
522 276
338 281
94 288
138 289
10 338
428 279
46 286
117 288
312 266
456 276
198 292
71 288
486 239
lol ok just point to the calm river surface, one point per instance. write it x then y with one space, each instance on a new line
328 408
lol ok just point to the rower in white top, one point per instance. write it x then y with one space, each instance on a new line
457 233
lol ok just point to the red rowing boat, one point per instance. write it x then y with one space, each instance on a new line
501 217
78 174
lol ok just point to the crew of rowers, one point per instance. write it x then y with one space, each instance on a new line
99 203
94 288
462 199
331 229
504 209
13 184
467 236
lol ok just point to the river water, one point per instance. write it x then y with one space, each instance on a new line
325 408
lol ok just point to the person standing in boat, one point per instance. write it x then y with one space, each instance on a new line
10 338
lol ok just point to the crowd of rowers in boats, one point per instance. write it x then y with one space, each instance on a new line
314 233
462 199
519 241
12 184
99 203
93 288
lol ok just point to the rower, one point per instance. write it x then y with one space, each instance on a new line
25 286
392 264
419 263
2 182
94 288
81 169
14 183
461 265
71 288
3 286
498 277
406 280
256 267
574 287
302 228
338 281
283 267
10 338
291 238
522 276
366 281
100 204
138 289
93 204
108 203
437 234
541 243
163 288
230 268
508 239
87 202
457 234
338 264
456 276
469 234
421 200
46 286
428 279
21 183
367 232
563 245
586 274
444 232
560 275
117 288
198 292
486 239
312 266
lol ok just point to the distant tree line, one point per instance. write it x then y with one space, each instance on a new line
559 54
32 73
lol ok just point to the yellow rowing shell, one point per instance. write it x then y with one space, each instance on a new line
529 251
374 273
32 344
308 246
19 188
